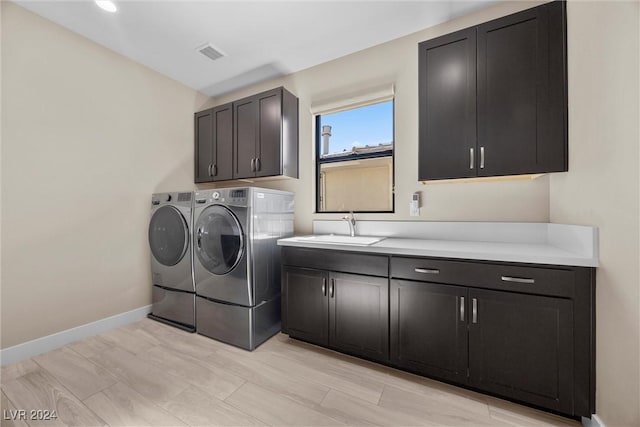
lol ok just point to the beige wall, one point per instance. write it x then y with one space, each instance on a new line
1 185
602 187
397 62
87 137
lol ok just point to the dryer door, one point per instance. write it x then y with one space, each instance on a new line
219 240
168 235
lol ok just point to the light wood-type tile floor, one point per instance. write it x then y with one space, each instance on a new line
150 374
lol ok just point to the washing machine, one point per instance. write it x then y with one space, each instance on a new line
237 262
173 290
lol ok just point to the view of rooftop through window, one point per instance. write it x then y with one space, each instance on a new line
359 130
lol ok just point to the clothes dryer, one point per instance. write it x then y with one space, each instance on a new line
173 291
237 262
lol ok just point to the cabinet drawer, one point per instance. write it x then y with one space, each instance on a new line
433 270
534 280
346 262
516 278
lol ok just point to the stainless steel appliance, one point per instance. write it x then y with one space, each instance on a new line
173 291
237 262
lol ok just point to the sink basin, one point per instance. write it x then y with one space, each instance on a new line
338 239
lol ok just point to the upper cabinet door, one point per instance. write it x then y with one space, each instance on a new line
522 93
222 160
203 146
245 130
269 140
447 80
214 144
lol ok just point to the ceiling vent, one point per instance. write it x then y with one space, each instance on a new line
210 52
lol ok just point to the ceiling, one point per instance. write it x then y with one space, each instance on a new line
260 39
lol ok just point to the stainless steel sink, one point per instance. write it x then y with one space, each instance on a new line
337 239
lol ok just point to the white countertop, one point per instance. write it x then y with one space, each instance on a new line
561 245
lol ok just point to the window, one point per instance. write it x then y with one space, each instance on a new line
354 159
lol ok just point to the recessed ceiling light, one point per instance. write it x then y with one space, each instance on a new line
107 5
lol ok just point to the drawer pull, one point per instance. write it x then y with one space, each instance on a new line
427 270
517 279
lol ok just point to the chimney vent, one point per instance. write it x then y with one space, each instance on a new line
326 134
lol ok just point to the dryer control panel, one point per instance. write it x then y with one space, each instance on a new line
238 196
226 196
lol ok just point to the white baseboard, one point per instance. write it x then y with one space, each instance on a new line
32 348
595 421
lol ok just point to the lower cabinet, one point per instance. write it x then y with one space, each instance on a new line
519 331
511 344
359 314
348 312
305 311
429 328
522 346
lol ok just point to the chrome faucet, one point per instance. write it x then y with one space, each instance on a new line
351 220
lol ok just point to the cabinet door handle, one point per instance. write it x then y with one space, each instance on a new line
474 310
324 286
332 287
215 170
481 157
471 159
209 169
517 279
427 270
258 164
462 309
253 165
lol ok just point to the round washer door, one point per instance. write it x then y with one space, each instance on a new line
168 235
219 239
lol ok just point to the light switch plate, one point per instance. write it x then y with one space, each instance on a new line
414 205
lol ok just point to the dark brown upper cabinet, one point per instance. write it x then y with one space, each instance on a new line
250 138
265 135
493 98
214 144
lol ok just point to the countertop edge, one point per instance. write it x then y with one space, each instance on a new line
573 261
